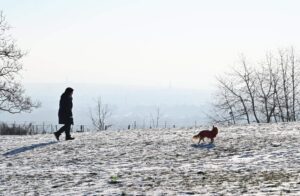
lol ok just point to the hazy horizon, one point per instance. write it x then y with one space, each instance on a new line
178 106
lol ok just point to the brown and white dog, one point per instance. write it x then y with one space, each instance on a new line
206 133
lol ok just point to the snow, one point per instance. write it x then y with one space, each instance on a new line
261 159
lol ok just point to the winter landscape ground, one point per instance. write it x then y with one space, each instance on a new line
244 160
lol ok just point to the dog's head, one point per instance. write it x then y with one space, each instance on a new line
215 129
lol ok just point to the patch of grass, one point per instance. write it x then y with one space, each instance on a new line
114 179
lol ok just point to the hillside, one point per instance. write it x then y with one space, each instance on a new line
249 160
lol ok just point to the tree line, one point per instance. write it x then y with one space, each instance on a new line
263 92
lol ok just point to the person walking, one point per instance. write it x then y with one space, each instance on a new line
65 115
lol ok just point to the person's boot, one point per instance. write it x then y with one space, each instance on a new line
56 135
70 138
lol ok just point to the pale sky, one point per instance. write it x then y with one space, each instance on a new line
184 43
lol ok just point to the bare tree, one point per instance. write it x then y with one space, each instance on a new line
283 61
154 119
151 121
295 82
246 75
12 94
157 116
102 113
278 115
288 93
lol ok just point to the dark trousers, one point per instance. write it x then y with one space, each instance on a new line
66 128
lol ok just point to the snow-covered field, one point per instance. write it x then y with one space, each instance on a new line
248 160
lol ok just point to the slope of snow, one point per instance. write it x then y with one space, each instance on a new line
248 160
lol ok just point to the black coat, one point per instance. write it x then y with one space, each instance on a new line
65 115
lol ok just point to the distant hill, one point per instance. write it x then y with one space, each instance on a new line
181 107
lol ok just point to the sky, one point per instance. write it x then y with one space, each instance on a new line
163 43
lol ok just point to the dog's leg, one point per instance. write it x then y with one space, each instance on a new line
201 138
212 140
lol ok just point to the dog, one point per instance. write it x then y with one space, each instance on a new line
206 133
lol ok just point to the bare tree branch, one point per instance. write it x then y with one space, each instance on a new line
12 93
